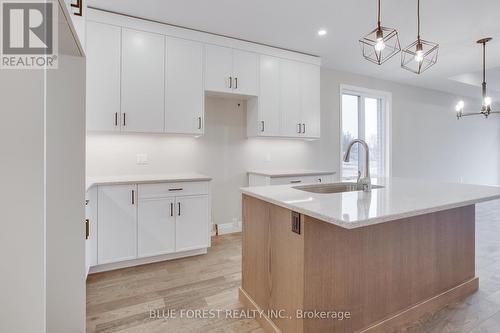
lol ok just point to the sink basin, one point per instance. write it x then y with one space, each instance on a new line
333 188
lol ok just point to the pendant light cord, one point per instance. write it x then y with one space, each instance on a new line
418 20
378 14
483 86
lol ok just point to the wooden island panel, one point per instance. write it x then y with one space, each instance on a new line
385 275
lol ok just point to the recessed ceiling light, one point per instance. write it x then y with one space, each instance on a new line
321 32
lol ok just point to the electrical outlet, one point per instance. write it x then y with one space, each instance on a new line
142 159
296 222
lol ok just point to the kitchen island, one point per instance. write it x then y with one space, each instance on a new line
358 261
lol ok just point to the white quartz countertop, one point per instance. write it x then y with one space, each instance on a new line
400 198
290 173
142 179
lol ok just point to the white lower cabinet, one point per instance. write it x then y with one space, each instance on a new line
155 226
191 227
117 223
136 222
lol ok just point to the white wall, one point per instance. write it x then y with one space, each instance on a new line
428 142
22 238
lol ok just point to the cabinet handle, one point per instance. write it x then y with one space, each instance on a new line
263 126
175 189
179 209
124 119
199 122
230 82
171 209
300 128
319 180
303 128
79 5
236 81
295 181
87 228
116 118
133 197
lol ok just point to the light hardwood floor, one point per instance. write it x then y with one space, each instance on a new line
120 301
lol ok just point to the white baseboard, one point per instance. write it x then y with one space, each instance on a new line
229 228
142 261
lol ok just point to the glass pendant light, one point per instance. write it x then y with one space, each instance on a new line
421 54
381 44
486 100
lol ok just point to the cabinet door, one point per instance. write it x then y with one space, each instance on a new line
103 77
191 226
310 100
290 98
246 73
143 81
156 226
184 95
269 99
218 69
117 227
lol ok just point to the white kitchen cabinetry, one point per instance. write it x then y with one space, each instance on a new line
91 228
191 222
246 73
103 77
231 71
152 78
143 79
265 116
147 222
264 178
184 97
289 100
310 109
156 226
117 223
290 96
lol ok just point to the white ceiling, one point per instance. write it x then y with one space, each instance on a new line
293 24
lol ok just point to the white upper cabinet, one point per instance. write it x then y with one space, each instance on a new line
152 78
184 97
218 69
268 120
231 71
290 98
245 73
103 77
310 100
143 78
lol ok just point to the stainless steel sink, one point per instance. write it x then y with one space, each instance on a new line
333 187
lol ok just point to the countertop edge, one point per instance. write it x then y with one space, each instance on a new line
291 174
91 184
373 221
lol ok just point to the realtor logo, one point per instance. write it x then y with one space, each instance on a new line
29 39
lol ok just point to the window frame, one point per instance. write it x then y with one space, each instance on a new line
385 100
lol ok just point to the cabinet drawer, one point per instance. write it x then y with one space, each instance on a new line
146 191
301 179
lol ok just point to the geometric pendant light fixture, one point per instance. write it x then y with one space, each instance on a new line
380 44
421 54
486 100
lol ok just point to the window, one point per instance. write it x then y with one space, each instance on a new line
364 115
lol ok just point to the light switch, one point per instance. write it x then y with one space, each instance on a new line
142 159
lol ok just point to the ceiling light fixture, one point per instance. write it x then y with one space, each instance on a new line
321 32
421 54
381 44
486 105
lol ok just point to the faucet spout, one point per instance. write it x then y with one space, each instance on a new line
364 181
